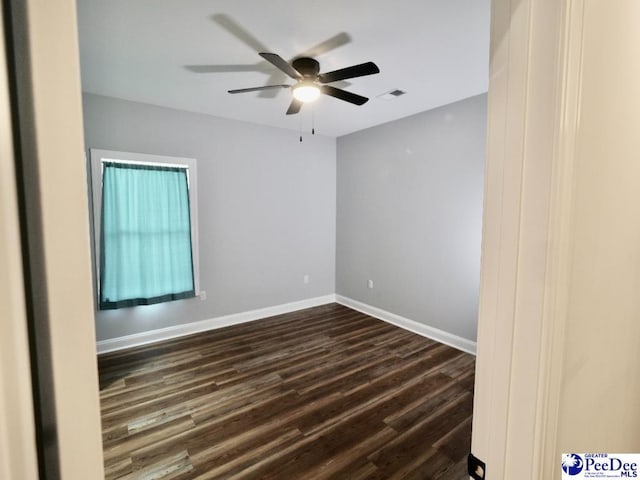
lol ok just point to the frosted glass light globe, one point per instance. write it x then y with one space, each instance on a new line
306 92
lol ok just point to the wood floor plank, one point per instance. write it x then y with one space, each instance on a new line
322 393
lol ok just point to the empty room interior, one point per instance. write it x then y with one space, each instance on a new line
292 337
326 324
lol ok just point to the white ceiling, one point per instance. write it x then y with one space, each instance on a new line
435 50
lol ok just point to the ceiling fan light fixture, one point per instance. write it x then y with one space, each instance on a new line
306 92
310 83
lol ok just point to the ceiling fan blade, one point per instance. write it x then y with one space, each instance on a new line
261 67
368 68
255 89
238 31
294 107
282 64
332 43
343 95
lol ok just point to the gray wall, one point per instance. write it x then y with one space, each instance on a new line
409 215
266 208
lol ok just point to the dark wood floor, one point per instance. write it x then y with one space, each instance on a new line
321 393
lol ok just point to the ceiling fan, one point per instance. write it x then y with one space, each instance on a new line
311 83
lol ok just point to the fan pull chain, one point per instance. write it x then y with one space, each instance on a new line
313 120
300 127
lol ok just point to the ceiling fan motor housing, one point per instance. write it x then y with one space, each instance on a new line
307 67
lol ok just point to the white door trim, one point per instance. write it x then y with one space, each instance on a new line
56 216
556 295
18 458
533 100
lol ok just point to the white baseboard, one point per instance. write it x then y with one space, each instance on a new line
168 333
411 325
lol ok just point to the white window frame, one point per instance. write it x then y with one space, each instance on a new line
97 157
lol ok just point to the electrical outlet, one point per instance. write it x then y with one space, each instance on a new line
369 283
203 295
306 279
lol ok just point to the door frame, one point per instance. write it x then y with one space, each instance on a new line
533 107
18 456
42 55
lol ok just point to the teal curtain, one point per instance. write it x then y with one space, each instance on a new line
146 255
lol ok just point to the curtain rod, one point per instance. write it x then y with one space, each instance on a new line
134 162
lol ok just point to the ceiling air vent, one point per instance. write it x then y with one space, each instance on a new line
391 94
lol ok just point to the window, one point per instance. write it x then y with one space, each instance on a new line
145 228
